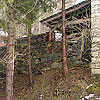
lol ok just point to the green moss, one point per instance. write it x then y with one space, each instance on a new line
35 43
76 87
97 77
68 76
95 89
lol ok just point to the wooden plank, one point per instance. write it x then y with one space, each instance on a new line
73 22
72 10
78 21
54 28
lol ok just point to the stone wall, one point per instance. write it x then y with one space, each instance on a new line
46 54
95 34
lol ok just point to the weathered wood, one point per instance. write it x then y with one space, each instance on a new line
54 28
67 12
73 22
78 21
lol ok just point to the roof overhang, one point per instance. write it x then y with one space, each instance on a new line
55 20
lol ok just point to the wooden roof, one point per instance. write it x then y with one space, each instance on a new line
74 11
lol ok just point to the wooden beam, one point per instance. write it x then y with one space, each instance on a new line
54 28
72 10
73 22
78 21
60 20
47 24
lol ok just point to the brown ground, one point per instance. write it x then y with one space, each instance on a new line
51 86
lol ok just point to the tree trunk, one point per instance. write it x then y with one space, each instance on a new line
10 62
64 60
29 50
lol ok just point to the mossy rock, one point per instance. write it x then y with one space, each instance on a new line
95 89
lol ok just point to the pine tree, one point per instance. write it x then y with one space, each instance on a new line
10 61
64 60
30 9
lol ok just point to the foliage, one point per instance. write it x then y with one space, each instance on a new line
94 89
3 25
24 7
3 22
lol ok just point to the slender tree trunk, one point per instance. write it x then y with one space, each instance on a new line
29 50
64 60
10 61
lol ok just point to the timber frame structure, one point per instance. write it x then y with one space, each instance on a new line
76 16
85 15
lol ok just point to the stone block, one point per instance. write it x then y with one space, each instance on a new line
95 49
57 54
43 60
50 59
56 64
95 54
95 71
78 62
44 55
95 39
95 65
93 59
57 58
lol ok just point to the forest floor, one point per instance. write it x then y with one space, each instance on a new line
50 85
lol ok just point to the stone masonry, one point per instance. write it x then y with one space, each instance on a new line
95 34
46 54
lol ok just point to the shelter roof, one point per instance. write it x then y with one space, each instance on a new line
74 11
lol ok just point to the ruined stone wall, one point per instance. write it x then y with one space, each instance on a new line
46 54
95 34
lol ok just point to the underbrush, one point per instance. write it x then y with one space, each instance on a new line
50 85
